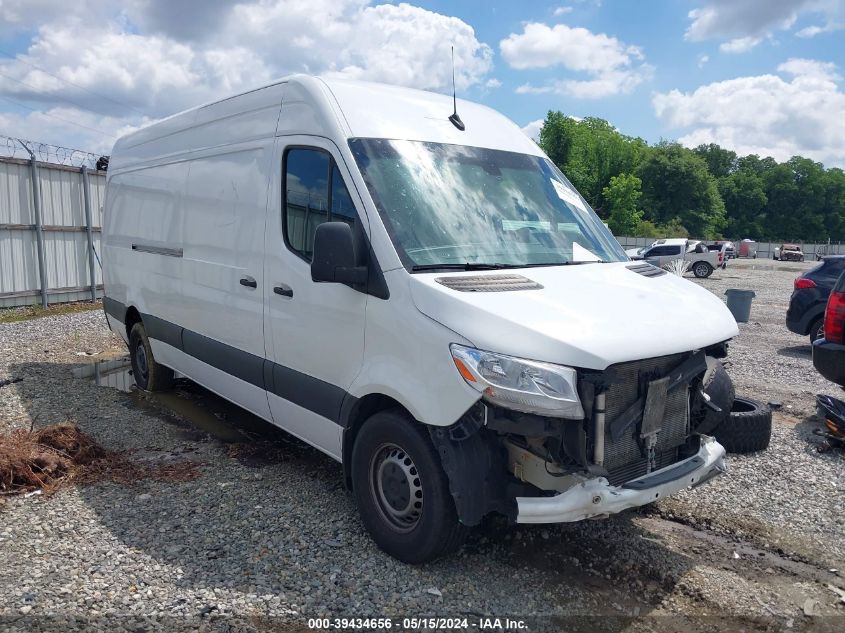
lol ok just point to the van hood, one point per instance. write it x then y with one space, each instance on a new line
589 316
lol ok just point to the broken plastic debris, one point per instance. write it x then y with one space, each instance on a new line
434 591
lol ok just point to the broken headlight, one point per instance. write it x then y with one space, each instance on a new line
523 385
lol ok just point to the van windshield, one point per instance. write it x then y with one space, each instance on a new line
453 206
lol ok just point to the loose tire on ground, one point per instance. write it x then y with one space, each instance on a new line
748 429
717 384
394 468
148 374
702 270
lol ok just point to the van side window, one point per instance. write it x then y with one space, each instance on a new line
314 193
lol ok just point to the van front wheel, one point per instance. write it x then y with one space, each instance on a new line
148 374
401 490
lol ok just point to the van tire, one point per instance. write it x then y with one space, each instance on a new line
148 374
702 270
386 443
717 384
748 429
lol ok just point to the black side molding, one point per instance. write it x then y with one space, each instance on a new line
306 391
114 309
162 330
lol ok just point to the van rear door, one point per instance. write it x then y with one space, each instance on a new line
314 331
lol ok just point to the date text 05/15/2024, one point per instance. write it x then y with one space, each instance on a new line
418 624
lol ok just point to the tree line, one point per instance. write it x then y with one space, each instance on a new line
668 190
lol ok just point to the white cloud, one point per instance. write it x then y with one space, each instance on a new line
151 74
410 46
740 44
68 127
155 57
813 30
540 45
532 129
745 23
797 111
612 67
493 83
702 60
559 11
22 15
743 18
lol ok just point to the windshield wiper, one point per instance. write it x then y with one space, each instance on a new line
478 266
464 266
561 263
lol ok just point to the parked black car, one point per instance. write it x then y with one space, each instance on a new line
809 298
829 351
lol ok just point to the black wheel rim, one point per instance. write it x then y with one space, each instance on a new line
141 367
396 487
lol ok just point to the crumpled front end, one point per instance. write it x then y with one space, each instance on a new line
637 442
596 497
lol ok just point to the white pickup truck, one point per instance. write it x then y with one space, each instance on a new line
702 261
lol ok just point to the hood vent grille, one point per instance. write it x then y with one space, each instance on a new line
488 283
646 270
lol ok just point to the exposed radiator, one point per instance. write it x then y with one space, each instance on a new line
624 458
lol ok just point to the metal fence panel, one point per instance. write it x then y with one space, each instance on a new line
18 264
15 194
66 246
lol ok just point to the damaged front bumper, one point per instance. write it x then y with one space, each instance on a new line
596 497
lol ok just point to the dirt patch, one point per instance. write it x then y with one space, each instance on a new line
59 454
26 313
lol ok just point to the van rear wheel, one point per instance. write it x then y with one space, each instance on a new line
401 490
148 374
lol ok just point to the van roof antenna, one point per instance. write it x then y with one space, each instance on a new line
454 117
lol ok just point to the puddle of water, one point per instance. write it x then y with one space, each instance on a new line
115 373
203 409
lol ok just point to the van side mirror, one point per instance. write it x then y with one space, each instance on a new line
334 255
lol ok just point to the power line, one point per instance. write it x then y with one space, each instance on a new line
67 81
17 103
37 92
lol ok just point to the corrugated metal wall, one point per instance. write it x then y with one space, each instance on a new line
65 236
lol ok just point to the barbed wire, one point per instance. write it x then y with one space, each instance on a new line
11 147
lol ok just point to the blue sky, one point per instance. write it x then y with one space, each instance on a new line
758 76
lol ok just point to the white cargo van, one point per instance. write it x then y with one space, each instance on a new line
427 300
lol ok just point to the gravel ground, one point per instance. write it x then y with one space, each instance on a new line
266 537
791 485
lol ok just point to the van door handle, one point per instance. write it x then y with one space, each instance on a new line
282 289
249 282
